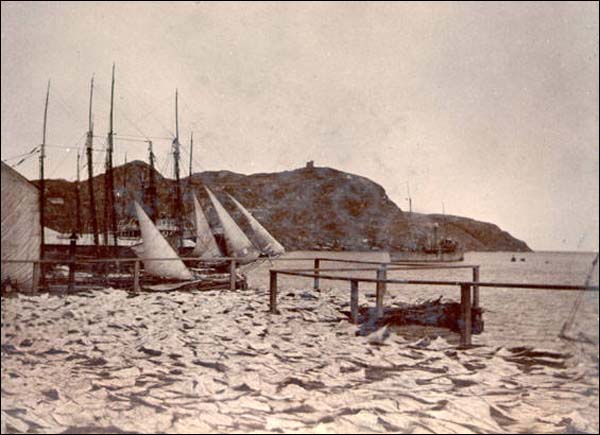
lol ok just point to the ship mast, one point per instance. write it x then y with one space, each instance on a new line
78 198
190 184
123 198
90 165
191 153
109 182
42 196
409 198
151 184
177 212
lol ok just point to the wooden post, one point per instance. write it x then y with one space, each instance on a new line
381 287
72 247
136 276
465 304
273 292
476 287
354 301
35 281
232 275
317 265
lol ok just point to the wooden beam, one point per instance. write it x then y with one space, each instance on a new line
476 287
35 280
465 305
354 301
273 292
380 294
316 270
232 275
136 277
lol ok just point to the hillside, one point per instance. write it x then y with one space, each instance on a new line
307 208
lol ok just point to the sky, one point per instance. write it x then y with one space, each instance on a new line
486 110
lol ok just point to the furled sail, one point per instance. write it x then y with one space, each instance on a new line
268 244
238 244
155 246
206 246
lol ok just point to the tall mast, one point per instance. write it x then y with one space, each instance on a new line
190 185
176 115
151 184
42 179
409 198
443 220
124 197
177 212
191 153
110 217
90 165
78 198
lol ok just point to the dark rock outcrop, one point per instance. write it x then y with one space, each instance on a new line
307 208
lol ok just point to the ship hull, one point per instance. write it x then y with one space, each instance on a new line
427 257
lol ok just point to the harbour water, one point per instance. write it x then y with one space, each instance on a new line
216 361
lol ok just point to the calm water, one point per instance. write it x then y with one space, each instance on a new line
513 317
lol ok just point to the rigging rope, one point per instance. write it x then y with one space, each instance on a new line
568 325
24 157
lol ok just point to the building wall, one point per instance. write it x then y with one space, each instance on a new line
20 227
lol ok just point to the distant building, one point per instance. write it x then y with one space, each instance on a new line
310 164
21 233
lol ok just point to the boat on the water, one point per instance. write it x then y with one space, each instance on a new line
436 250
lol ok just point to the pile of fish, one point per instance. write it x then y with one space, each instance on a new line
217 361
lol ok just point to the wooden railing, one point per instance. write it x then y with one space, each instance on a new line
73 264
469 290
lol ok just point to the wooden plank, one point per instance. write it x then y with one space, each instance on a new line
136 277
232 275
354 301
380 294
316 270
465 305
476 287
71 276
273 292
292 272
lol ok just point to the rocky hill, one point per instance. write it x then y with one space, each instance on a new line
307 208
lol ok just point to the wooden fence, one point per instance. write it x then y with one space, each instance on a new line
469 290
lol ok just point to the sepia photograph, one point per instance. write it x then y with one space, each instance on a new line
300 217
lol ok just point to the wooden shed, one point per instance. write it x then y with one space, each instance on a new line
21 231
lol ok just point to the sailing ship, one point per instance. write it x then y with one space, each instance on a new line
442 250
148 236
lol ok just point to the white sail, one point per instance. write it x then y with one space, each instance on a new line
155 246
238 244
268 244
206 246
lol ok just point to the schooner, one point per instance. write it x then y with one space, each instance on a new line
150 241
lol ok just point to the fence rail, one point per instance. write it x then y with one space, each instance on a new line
469 289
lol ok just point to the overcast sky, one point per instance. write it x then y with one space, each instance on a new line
491 109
